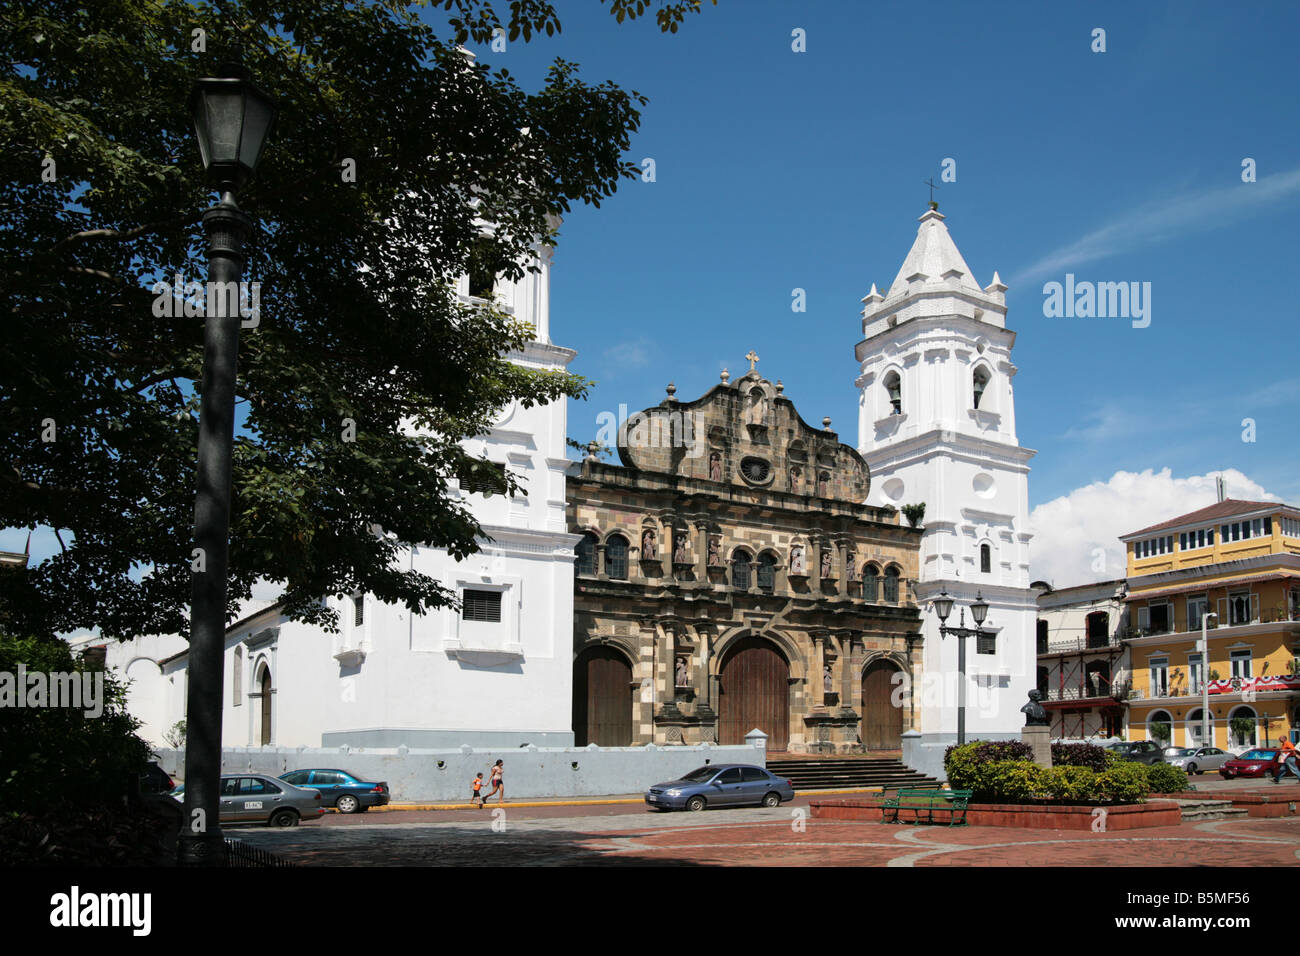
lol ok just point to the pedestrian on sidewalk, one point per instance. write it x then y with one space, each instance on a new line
1286 762
476 798
498 770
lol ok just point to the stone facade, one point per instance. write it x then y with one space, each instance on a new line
734 536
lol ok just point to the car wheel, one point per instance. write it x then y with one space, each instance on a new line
1191 768
772 800
283 818
695 804
347 803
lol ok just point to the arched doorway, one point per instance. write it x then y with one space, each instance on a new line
882 722
754 692
264 715
602 698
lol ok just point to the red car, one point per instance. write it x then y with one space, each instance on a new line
1253 763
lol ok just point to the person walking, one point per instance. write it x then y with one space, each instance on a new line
1286 761
498 771
476 798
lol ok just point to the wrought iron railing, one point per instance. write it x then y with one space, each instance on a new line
239 853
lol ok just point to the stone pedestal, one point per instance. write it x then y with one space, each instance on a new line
1040 739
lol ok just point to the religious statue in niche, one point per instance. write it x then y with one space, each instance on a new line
794 480
715 467
757 407
796 559
826 563
822 480
828 683
680 677
715 553
649 551
851 565
679 547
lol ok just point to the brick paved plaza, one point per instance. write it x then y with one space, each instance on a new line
786 836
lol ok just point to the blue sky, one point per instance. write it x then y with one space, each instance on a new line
777 170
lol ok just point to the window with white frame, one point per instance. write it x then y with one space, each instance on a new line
1194 674
1240 662
1291 527
1192 540
1239 608
1196 608
1159 676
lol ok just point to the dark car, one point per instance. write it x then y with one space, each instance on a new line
344 791
1140 751
257 798
720 785
154 779
1253 763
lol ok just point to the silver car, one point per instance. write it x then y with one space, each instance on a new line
720 785
258 798
1197 759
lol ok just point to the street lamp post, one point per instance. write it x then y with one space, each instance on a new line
978 611
1205 679
232 119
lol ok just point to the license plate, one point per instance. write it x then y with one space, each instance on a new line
253 805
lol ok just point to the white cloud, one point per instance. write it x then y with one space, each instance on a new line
631 354
1069 530
1157 222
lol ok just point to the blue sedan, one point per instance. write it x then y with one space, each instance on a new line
720 785
345 792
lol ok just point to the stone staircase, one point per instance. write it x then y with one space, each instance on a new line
848 772
1198 811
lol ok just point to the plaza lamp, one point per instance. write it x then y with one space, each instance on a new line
978 611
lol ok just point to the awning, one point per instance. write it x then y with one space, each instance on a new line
1191 587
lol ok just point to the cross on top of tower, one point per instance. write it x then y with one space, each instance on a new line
752 358
930 182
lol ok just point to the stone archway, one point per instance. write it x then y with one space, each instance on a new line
882 722
602 698
754 691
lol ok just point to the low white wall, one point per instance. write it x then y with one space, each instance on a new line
420 776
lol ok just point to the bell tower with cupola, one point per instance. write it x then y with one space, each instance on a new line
937 427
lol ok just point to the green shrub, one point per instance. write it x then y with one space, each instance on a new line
1125 782
1070 784
1165 778
1082 755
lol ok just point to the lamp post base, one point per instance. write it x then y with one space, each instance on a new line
201 849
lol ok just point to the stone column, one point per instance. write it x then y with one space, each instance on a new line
851 695
644 730
702 551
819 668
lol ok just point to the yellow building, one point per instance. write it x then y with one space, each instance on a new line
1239 563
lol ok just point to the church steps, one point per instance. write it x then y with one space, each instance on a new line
817 773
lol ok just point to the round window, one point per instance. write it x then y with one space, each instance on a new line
755 470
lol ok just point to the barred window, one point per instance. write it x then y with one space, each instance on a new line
986 643
766 572
358 610
891 585
740 570
871 583
481 606
485 478
986 558
616 557
586 551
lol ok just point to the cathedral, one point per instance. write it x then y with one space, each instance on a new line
731 577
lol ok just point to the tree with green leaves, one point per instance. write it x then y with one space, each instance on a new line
392 149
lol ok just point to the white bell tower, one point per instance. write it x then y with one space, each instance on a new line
937 426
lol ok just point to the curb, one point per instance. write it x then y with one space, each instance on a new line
597 802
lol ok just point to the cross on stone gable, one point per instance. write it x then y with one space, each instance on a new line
752 359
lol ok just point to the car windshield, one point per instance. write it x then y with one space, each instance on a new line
1122 748
1178 752
1258 755
700 775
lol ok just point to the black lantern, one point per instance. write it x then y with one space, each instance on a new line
980 609
232 120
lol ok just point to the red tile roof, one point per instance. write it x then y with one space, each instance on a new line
1222 509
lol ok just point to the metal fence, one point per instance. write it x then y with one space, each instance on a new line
239 853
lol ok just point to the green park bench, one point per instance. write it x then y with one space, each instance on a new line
924 803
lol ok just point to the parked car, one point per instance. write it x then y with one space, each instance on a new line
1141 751
255 798
346 792
1197 759
1253 763
720 785
154 779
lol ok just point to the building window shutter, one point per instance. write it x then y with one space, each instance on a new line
1144 618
